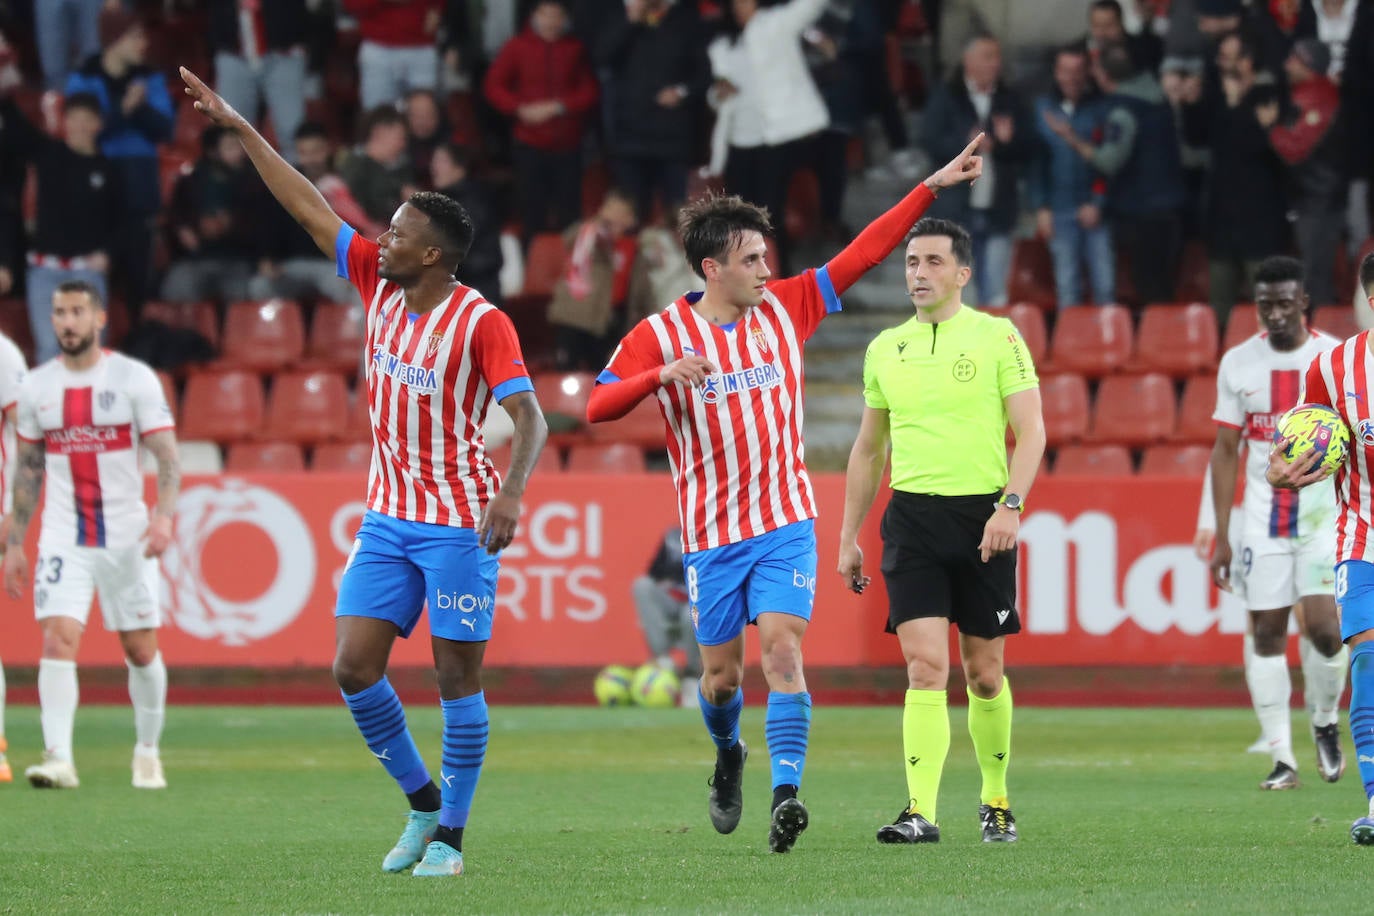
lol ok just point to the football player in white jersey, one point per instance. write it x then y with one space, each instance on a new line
82 418
12 369
1287 541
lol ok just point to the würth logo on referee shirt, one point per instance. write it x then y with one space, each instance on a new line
419 378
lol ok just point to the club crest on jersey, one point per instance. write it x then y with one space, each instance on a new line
105 399
761 340
420 379
755 378
436 341
1364 431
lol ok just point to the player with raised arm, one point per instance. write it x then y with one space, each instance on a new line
725 367
1287 541
82 419
12 369
438 513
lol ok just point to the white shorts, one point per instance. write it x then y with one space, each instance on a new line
65 579
1279 571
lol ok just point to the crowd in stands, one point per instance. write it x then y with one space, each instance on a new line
1137 152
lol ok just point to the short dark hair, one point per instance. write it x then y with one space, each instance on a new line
1279 268
86 100
714 225
1367 274
311 130
1117 62
83 286
451 223
1111 5
381 116
960 242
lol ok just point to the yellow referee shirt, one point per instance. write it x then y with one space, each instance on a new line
943 387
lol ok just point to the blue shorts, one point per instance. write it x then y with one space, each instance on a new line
730 585
1355 597
397 567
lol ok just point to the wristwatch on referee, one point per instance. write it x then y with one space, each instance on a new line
1011 501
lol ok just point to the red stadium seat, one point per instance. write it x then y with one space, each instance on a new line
548 462
263 336
1091 340
342 456
1178 340
1189 461
1064 405
563 398
307 407
642 427
1336 320
222 406
337 338
1029 319
1031 277
1195 424
1134 410
1241 325
545 264
1093 461
200 317
257 457
606 458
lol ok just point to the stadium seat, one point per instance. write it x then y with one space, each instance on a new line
1029 319
1064 405
1093 461
200 317
1195 424
642 426
549 461
1091 340
337 338
1178 340
307 407
259 457
1336 320
545 263
1031 277
342 456
1189 461
606 458
563 398
223 406
1134 410
194 455
263 336
1241 325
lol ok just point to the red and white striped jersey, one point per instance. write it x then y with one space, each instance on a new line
12 369
91 423
735 443
1340 378
430 381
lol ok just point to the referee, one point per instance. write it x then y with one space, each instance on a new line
942 388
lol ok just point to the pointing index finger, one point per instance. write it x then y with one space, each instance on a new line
972 145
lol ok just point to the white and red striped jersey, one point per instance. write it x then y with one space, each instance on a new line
90 423
1255 385
1340 378
430 381
735 443
12 369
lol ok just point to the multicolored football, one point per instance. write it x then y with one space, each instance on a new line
1314 426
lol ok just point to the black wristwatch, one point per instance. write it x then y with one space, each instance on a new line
1011 501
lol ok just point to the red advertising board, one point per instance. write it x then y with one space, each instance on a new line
1107 577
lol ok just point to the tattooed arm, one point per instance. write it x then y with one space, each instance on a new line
163 445
28 483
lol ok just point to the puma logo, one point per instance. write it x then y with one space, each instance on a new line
468 623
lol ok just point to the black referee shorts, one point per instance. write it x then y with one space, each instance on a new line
933 568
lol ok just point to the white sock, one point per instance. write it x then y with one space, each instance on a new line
148 693
1270 690
57 698
1307 656
1323 683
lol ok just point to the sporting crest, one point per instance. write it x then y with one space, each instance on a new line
436 341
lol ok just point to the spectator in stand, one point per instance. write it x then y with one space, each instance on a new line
1066 191
214 217
399 51
1245 201
1311 142
976 100
1139 154
655 54
137 116
543 80
379 174
587 309
289 263
73 178
67 32
1107 26
426 129
259 48
1181 81
769 107
12 174
662 273
450 176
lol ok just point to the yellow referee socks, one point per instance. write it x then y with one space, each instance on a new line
989 725
925 741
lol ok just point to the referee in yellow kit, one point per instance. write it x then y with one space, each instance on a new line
942 388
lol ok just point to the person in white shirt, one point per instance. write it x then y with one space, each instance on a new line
82 419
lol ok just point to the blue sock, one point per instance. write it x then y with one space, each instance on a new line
787 725
722 722
380 718
465 747
1362 711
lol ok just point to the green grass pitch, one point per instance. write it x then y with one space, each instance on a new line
584 810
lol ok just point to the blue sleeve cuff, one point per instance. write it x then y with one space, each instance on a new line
827 288
607 377
512 386
341 243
